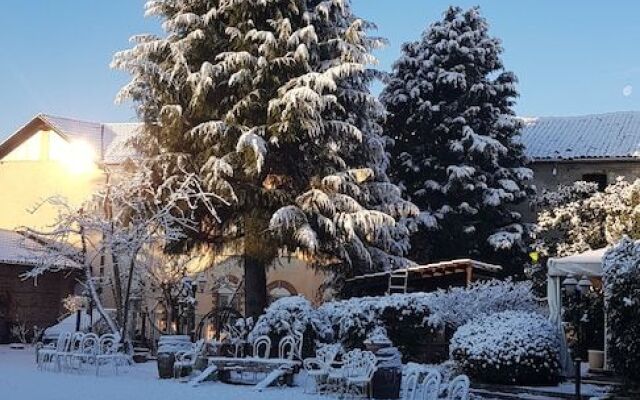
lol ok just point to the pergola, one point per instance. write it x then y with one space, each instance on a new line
587 264
424 278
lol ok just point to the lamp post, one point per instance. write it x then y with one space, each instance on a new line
577 289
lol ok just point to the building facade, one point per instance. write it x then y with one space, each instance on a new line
597 148
54 156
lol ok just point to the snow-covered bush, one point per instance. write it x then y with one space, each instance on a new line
407 319
508 347
411 317
622 301
292 314
577 218
457 306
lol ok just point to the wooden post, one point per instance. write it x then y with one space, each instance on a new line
469 275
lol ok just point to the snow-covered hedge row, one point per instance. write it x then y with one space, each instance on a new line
622 301
353 319
406 317
508 347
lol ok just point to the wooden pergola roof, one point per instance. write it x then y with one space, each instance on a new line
436 269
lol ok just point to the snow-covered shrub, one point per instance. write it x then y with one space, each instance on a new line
400 314
457 306
578 218
622 300
508 347
292 314
410 318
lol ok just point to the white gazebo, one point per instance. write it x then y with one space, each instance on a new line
587 264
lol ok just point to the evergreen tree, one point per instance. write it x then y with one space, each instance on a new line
457 153
268 100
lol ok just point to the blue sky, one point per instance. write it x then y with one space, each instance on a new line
572 57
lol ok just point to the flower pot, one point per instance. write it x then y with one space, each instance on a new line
596 359
168 346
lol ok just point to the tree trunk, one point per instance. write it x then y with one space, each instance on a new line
255 280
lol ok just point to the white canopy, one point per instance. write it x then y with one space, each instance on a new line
587 264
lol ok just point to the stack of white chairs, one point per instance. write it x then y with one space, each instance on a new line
430 386
48 355
72 352
359 367
355 374
318 367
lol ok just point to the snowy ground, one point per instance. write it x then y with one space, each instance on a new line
21 380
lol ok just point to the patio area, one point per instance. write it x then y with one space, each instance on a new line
20 379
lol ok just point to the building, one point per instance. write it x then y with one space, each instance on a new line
72 158
22 302
596 148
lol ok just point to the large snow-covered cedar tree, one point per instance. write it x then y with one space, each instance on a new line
457 153
268 100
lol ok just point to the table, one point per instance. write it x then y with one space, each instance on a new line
275 368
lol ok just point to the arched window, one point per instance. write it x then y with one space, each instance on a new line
279 289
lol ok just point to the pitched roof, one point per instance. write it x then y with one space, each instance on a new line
110 141
17 249
599 136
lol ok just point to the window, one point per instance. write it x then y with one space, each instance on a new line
224 298
600 179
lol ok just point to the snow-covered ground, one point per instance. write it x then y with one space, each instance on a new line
21 380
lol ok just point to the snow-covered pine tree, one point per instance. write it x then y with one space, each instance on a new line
457 153
269 101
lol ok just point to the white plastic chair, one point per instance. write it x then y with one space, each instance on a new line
88 349
359 367
299 339
46 354
108 352
262 347
73 349
410 385
458 388
318 367
430 387
287 348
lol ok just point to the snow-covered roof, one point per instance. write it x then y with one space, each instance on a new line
599 136
17 249
109 140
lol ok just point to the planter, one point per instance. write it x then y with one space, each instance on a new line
387 379
596 359
168 346
165 365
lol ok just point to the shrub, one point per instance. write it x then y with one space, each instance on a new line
415 317
510 347
290 314
410 319
622 299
